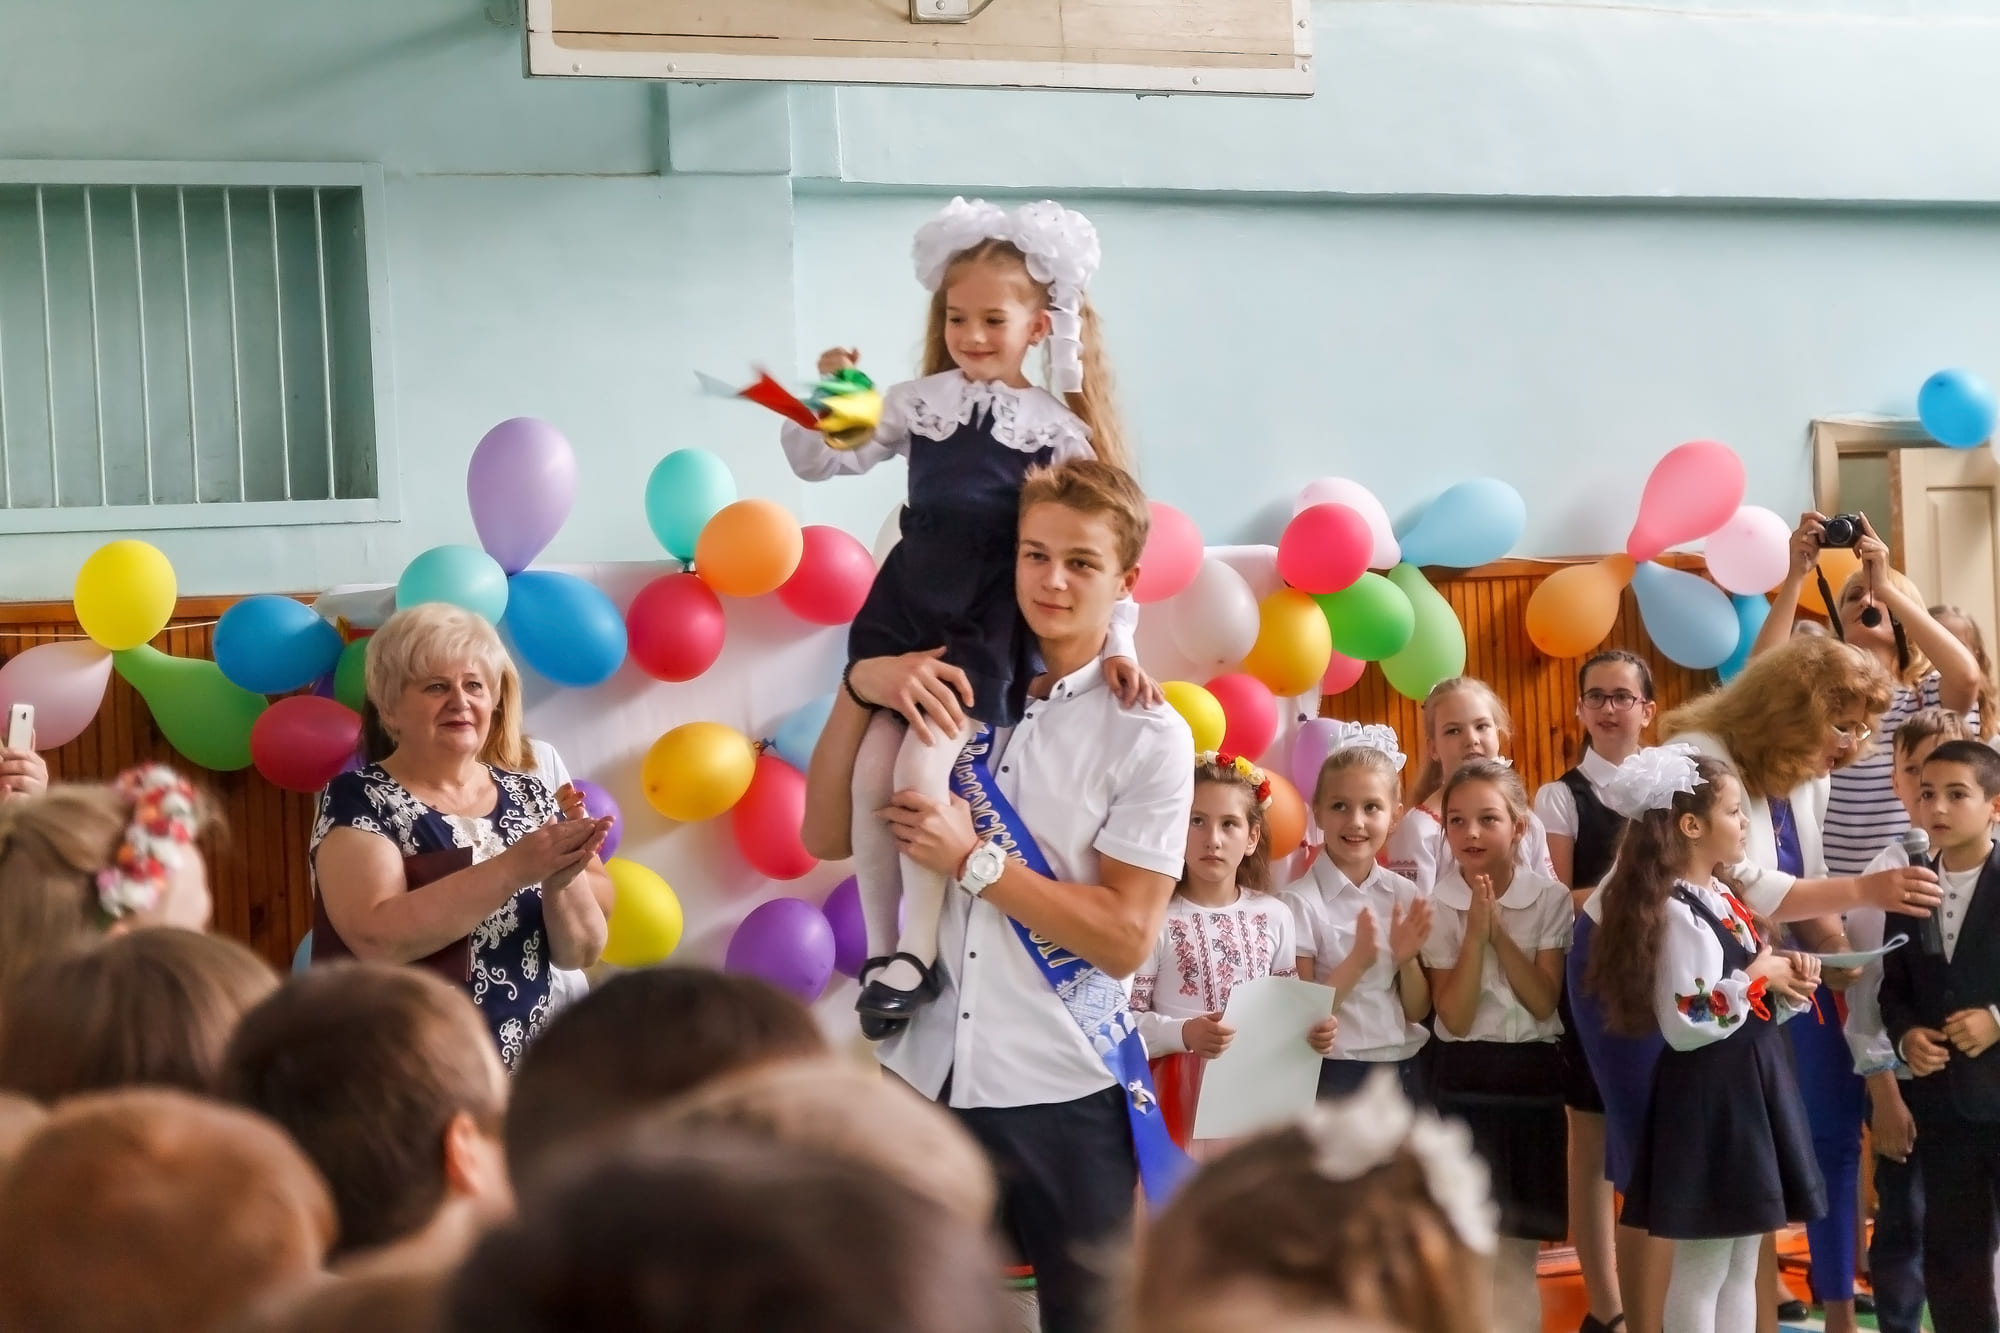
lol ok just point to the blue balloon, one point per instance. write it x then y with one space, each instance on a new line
1751 612
462 575
1470 524
565 628
1957 408
686 489
1689 618
302 956
274 645
800 730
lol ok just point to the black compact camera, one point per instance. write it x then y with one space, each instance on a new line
1844 531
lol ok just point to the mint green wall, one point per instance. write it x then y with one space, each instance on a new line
1545 241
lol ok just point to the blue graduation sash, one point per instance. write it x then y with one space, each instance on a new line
1094 999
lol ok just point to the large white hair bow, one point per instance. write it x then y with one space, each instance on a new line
1650 779
1355 1135
1367 736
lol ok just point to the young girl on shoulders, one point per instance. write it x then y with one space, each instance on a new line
1360 927
1223 928
1002 284
1495 958
1463 720
1725 1155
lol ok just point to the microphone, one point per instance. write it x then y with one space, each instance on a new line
1930 935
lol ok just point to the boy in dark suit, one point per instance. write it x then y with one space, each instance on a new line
1941 1006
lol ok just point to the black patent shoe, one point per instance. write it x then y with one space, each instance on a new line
1792 1311
881 1029
1592 1324
878 1000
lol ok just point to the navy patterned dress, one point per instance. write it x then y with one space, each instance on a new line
510 949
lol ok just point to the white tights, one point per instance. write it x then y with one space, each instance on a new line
1517 1297
892 759
1714 1286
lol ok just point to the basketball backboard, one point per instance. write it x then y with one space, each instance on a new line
1256 47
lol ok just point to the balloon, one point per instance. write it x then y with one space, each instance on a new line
1957 408
1689 619
1436 650
768 819
1215 618
1250 714
1752 552
1691 492
598 804
832 579
1309 751
521 485
64 681
1199 709
749 548
1751 613
1471 523
1172 556
1285 821
1369 621
697 771
1342 673
686 490
274 645
788 943
646 921
1293 643
204 716
461 575
1839 564
887 536
350 677
1324 548
1341 491
1572 610
304 742
842 910
302 956
566 629
799 732
675 627
124 594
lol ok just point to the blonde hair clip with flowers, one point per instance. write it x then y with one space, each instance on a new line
1243 770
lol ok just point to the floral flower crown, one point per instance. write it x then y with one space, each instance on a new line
164 818
1253 777
1358 1134
1651 778
1062 252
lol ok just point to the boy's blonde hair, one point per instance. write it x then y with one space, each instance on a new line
1094 487
1930 724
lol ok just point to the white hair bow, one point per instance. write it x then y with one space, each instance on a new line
1650 779
1355 1135
1367 736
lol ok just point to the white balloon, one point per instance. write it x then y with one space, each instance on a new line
890 533
1214 619
1751 553
1340 491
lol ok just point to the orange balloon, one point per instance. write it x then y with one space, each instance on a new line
749 548
1839 565
1285 821
1573 609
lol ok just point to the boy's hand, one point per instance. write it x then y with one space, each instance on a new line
1925 1051
1973 1031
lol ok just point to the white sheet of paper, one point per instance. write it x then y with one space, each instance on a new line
1270 1073
1861 957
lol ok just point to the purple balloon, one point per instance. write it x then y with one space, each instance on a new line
323 687
521 484
1309 752
786 942
597 803
850 931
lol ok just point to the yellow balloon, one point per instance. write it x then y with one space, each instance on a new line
698 770
1199 709
125 594
1293 643
646 920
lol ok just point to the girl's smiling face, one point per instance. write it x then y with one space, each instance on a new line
1355 808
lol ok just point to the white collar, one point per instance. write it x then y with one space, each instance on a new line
1088 677
1333 881
1596 769
1452 890
1030 419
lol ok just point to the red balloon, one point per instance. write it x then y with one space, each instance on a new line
832 579
1325 548
1249 714
675 628
301 743
1172 556
1341 674
768 819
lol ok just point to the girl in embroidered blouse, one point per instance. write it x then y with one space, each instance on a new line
1725 1154
1223 928
1002 283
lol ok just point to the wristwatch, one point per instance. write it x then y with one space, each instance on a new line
982 868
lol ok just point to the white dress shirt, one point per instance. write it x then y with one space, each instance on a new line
1327 906
1555 803
1089 778
1535 912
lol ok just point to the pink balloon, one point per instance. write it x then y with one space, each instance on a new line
1309 749
1342 674
1341 491
1692 491
1324 548
1249 713
832 579
768 819
1172 556
64 681
675 628
1751 553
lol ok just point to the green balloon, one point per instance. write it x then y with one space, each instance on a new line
684 492
1370 619
1437 650
350 675
202 713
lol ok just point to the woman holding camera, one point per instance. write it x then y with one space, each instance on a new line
1880 611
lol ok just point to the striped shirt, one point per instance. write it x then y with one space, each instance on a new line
1863 814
